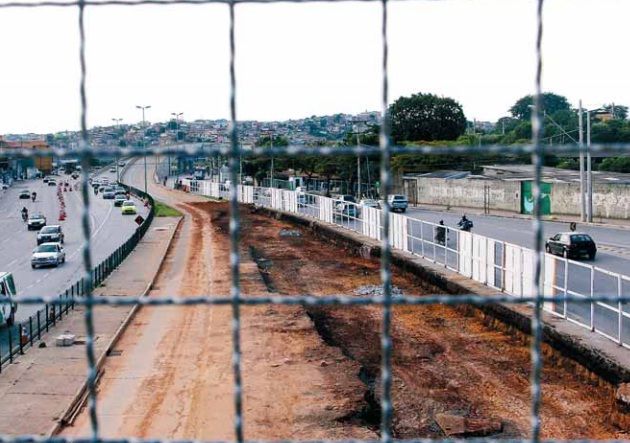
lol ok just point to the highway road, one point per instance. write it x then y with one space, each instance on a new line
109 229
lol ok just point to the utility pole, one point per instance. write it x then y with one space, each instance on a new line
582 178
176 115
144 144
358 169
271 146
117 121
589 171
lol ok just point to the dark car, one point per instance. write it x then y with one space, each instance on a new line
52 233
572 245
25 194
36 222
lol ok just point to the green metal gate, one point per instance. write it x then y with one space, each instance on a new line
527 198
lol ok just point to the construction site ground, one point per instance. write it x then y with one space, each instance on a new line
312 373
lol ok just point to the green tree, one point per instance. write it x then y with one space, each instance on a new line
426 117
278 140
615 164
551 103
619 111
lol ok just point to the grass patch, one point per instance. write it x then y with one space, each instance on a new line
162 210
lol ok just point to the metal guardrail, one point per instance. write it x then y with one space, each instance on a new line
15 339
502 265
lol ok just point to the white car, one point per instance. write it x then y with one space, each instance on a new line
370 203
48 254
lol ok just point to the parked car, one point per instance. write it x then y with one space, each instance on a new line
128 208
7 290
51 233
370 203
48 254
119 199
25 194
36 221
571 245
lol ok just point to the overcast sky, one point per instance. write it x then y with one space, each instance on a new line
298 60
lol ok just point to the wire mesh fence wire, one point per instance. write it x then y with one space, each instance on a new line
94 275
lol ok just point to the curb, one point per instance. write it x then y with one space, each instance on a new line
78 398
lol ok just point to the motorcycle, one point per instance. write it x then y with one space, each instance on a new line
33 196
465 225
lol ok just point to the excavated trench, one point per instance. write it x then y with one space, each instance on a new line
455 373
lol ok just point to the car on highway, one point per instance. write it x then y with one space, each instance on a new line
52 182
45 179
121 164
75 175
119 199
7 290
128 208
48 254
25 194
36 221
51 233
108 193
572 245
120 189
112 169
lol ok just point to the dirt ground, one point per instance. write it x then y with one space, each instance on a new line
314 373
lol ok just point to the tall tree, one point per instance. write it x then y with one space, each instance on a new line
551 103
426 117
618 111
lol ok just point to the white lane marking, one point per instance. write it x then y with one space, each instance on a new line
79 249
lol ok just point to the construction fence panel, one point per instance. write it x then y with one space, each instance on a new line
371 226
466 254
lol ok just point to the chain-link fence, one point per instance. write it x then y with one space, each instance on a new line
234 299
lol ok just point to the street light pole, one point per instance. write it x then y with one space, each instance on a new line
143 108
271 146
358 170
176 115
589 171
117 121
582 178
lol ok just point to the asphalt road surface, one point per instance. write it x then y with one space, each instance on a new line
109 229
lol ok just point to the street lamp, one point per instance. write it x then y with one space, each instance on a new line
176 115
143 108
117 122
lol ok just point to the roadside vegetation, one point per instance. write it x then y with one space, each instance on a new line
162 210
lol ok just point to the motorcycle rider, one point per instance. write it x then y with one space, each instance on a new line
465 224
33 195
24 213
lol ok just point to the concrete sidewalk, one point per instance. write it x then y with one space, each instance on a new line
40 387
